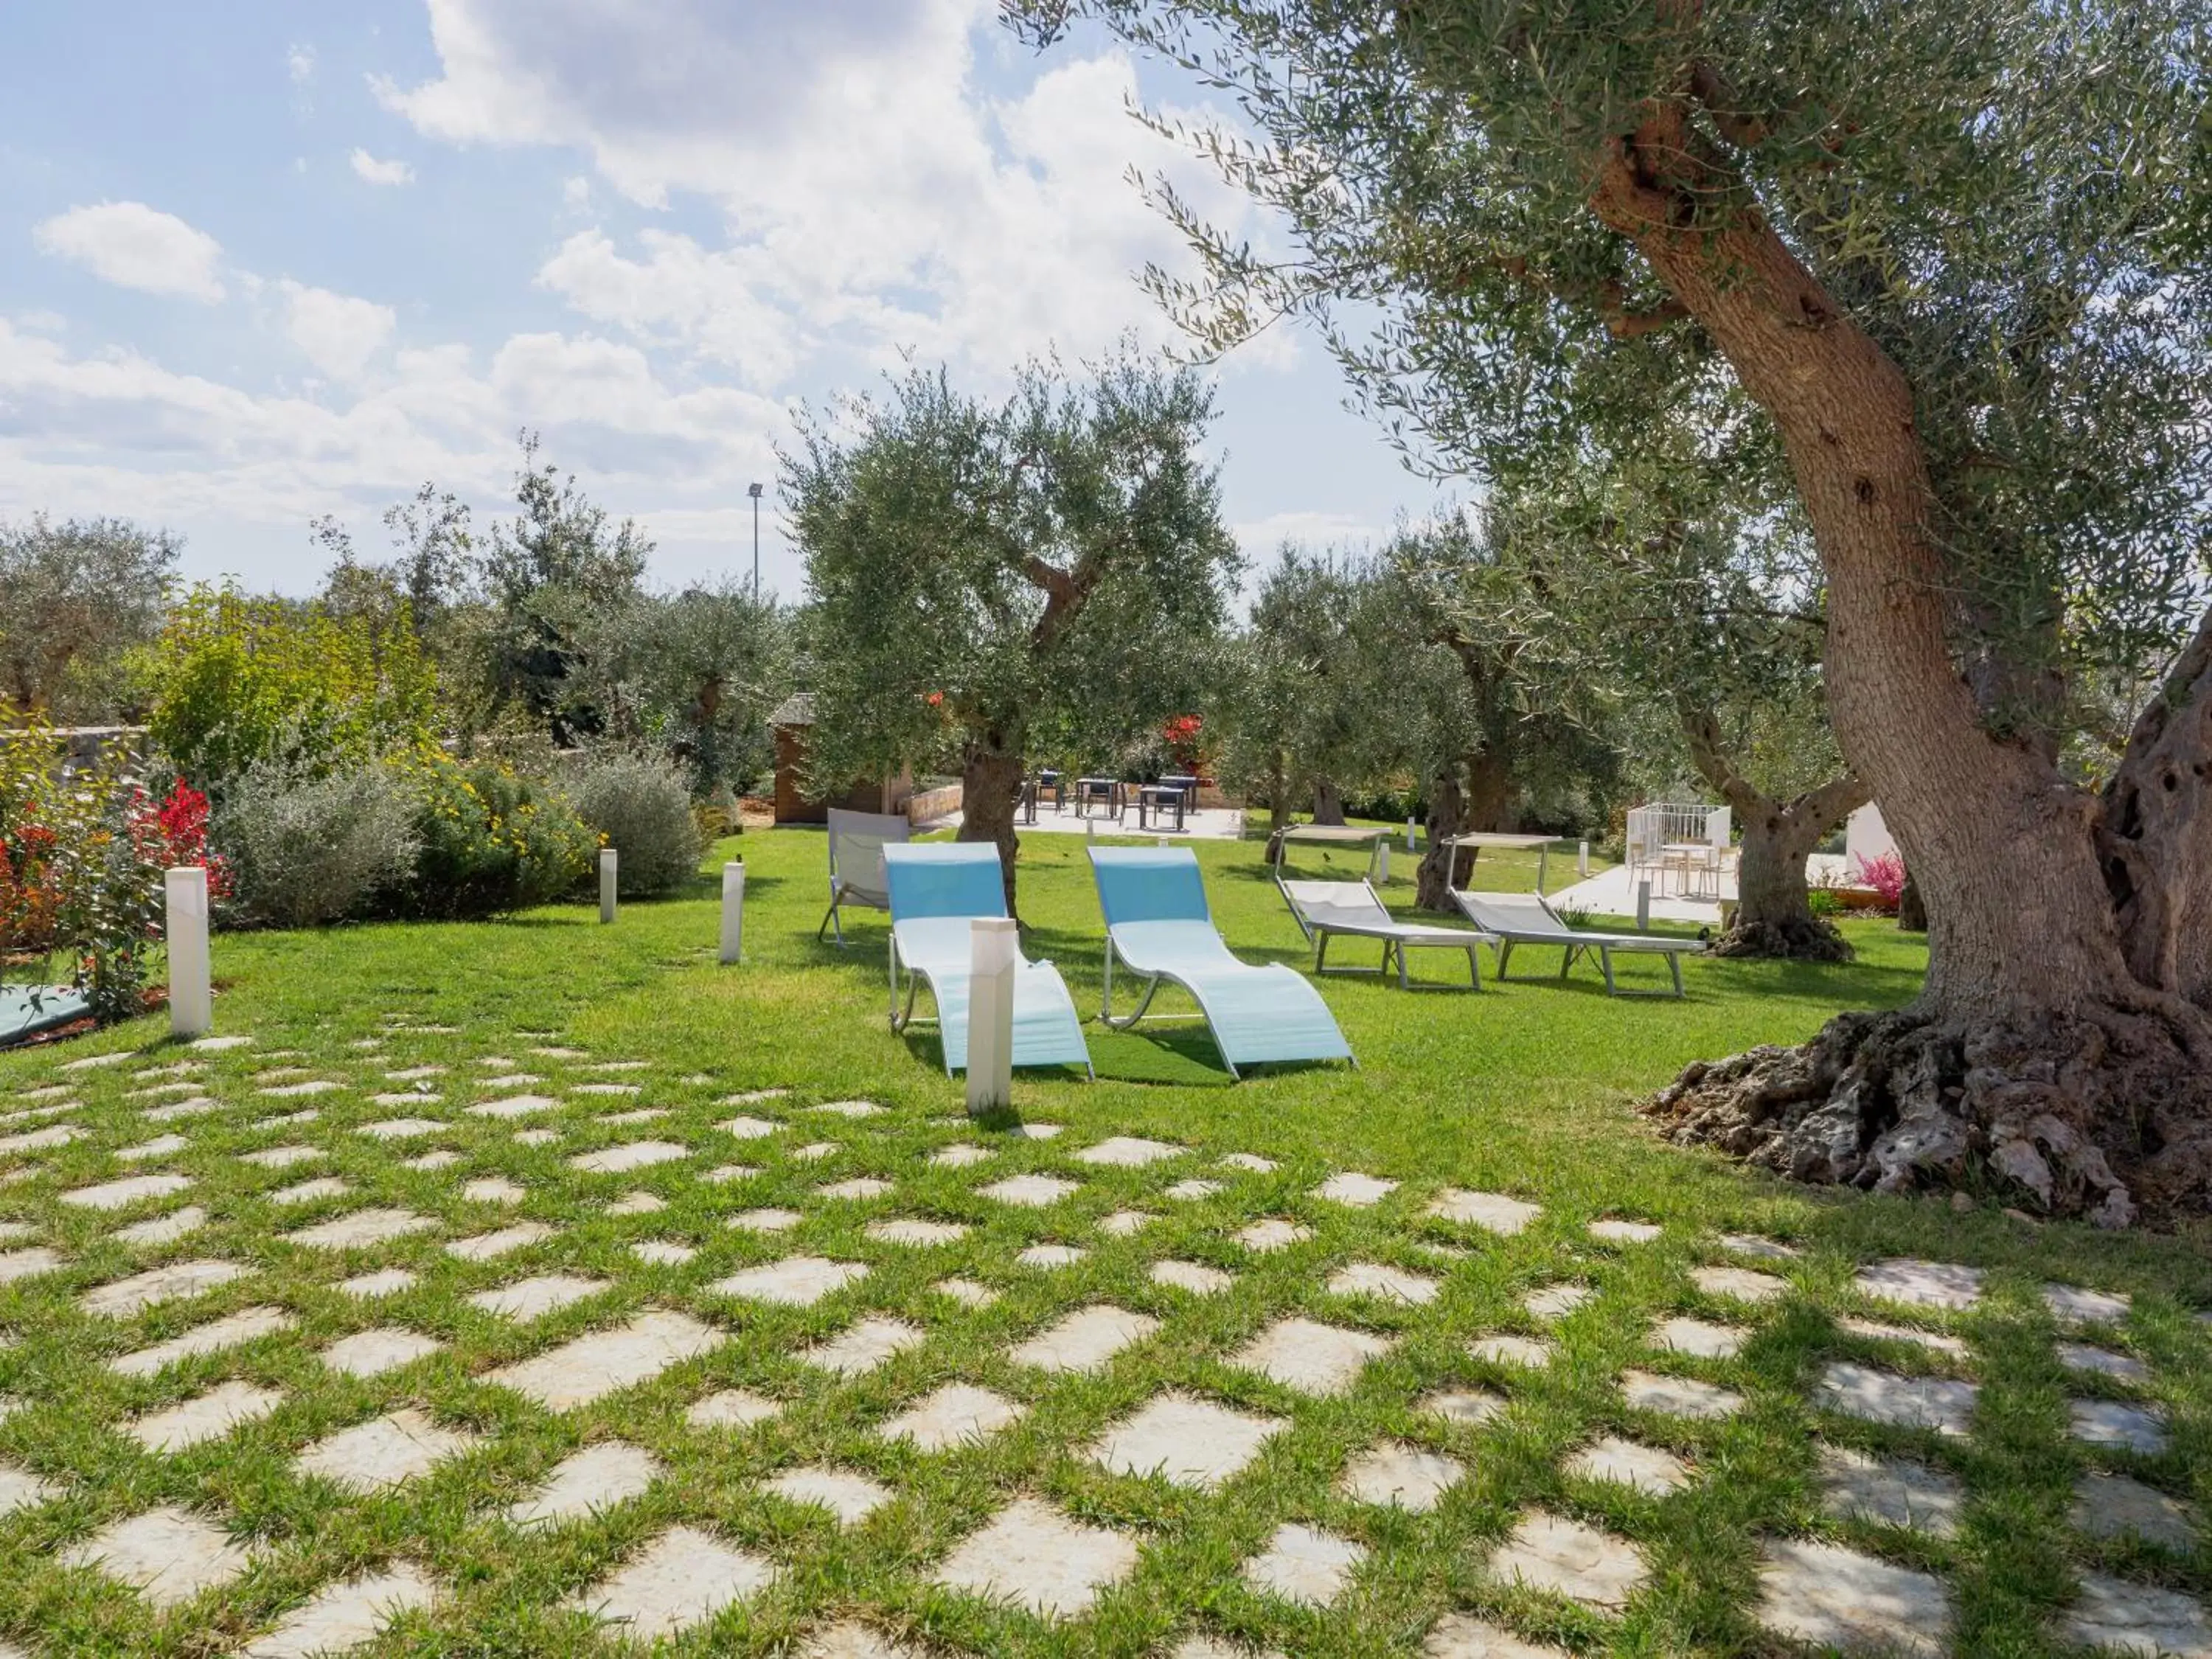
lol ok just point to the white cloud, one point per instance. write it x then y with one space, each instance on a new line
876 196
134 245
300 64
114 431
338 333
366 166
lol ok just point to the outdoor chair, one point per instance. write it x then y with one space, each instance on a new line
857 841
1325 910
1513 918
1158 927
936 891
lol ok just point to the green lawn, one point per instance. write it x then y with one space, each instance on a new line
1521 1090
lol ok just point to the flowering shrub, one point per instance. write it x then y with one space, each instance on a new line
81 859
1885 875
491 839
1183 735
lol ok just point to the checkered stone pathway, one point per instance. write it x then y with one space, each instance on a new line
904 1387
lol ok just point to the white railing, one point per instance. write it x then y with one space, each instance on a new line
1699 834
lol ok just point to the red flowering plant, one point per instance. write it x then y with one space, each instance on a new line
1182 734
82 852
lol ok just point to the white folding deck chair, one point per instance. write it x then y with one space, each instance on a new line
1525 918
856 862
1355 910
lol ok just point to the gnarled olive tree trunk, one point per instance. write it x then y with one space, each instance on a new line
2062 1040
1774 910
990 780
1433 880
1328 802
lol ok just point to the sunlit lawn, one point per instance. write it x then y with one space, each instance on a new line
1521 1089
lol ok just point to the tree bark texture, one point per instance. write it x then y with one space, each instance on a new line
1328 802
2062 1041
1434 878
990 780
1492 797
1774 910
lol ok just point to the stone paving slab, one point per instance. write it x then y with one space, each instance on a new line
1085 1340
1630 1463
958 1414
586 1483
209 1416
1830 1596
683 1578
1905 1402
1311 1357
1890 1492
168 1555
1304 1565
1565 1558
1400 1477
2114 1506
343 1616
1186 1441
599 1363
2124 1618
1916 1284
384 1452
1039 1559
851 1499
232 1331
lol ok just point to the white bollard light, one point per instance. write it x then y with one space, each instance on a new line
991 957
733 909
192 993
1160 841
1090 829
1582 858
1643 906
607 865
1409 836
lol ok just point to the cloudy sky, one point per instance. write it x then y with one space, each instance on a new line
266 261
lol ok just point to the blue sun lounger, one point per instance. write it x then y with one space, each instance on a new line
936 890
1159 926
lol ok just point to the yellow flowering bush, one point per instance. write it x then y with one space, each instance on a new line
491 839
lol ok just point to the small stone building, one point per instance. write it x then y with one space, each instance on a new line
793 719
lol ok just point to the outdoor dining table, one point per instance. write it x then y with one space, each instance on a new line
1156 802
1104 792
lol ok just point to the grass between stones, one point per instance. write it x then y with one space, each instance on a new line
1444 1356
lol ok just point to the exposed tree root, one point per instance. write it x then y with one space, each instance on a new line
1801 939
2106 1118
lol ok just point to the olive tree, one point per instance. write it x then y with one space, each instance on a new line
74 597
1697 598
1303 706
1954 256
1050 563
694 673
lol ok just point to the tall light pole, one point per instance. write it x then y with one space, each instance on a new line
754 490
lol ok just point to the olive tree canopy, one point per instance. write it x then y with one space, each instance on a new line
1050 566
1954 255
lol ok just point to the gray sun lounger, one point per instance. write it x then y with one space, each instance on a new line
1352 910
1525 918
